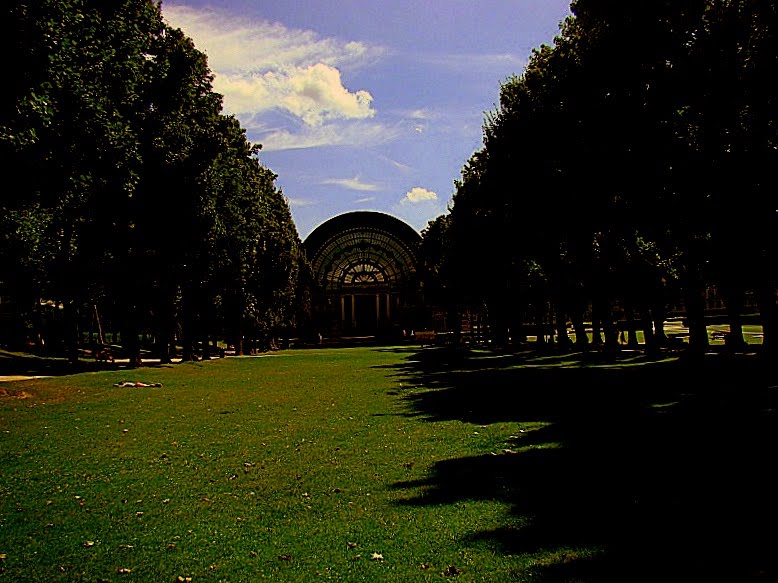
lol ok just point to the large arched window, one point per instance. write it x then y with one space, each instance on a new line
365 264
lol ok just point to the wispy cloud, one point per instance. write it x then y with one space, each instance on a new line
470 62
351 183
355 134
365 199
394 163
259 66
300 202
236 44
422 114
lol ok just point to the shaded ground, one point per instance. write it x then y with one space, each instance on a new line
22 366
667 467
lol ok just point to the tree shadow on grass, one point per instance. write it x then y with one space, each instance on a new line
18 364
666 470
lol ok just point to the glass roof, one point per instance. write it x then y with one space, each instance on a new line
363 256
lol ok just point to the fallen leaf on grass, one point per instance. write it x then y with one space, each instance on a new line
352 545
88 544
424 566
376 557
124 571
184 579
452 571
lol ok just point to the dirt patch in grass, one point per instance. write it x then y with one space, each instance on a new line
6 394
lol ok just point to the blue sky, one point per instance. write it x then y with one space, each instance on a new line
365 105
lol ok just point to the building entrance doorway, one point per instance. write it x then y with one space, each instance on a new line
366 322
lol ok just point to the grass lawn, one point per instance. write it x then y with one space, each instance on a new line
393 464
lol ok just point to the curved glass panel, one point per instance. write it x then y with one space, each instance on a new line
367 250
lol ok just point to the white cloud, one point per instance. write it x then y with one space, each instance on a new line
421 114
351 183
398 165
236 44
259 66
314 94
418 207
354 134
476 62
365 200
300 202
418 195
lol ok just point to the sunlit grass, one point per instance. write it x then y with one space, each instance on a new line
281 467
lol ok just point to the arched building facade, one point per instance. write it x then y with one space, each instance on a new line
366 269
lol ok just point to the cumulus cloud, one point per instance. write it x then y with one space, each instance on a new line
259 66
314 94
418 195
351 183
418 207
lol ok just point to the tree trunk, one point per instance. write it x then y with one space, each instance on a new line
658 314
695 319
734 297
71 331
649 337
768 315
632 333
581 339
563 340
599 314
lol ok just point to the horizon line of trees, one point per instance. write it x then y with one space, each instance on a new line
129 197
633 163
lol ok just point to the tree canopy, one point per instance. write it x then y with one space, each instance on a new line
131 196
629 166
